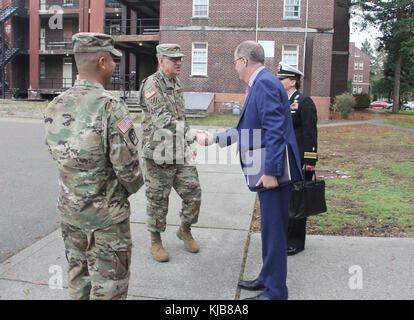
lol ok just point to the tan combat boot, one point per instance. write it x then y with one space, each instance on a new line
184 233
157 250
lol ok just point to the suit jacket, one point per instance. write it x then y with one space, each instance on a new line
305 120
266 121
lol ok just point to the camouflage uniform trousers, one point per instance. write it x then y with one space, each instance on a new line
99 261
159 179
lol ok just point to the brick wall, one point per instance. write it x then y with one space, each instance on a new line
222 78
358 56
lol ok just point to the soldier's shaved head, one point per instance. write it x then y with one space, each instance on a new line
87 62
97 66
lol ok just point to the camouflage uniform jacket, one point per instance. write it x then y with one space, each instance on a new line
162 101
93 142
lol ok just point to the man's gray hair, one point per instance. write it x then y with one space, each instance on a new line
253 51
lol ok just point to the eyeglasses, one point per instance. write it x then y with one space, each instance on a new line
234 62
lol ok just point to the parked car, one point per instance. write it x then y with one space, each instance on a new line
379 104
409 105
388 106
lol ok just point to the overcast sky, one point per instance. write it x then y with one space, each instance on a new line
358 36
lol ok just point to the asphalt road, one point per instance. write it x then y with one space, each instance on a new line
28 186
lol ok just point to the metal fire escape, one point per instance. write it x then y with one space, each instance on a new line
10 9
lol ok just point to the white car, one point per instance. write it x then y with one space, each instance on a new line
409 105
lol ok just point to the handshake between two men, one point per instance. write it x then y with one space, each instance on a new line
204 138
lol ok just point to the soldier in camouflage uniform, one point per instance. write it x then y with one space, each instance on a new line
166 151
92 139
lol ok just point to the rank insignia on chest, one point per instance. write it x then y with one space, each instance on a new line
150 93
294 106
125 125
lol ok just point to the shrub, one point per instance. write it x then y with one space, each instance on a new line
344 104
362 100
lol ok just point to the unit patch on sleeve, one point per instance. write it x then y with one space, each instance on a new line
150 93
125 125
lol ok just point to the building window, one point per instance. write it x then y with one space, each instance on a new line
199 61
354 90
200 8
361 78
356 66
355 78
42 69
359 90
357 55
291 9
291 55
68 3
361 66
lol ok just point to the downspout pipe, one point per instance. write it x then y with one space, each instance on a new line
306 37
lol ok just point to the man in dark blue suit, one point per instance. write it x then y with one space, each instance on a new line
265 122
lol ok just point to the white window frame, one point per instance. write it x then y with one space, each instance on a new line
355 65
354 90
361 66
192 58
361 78
199 3
68 3
359 90
355 78
284 51
291 6
42 68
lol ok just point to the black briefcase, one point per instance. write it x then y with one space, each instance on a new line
307 198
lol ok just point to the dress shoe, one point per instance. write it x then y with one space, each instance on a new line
251 285
259 297
292 250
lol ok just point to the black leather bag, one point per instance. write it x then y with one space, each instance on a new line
307 198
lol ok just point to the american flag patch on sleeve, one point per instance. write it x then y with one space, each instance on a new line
125 125
150 93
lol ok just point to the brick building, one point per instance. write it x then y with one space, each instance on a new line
359 68
312 35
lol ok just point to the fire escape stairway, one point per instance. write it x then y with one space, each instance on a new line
6 14
12 8
10 54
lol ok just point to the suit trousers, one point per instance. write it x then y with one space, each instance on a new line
274 207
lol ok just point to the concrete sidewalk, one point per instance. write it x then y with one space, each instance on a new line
329 268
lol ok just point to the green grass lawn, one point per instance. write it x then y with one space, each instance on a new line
405 124
376 196
404 112
215 120
373 201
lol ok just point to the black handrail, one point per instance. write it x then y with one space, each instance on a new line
64 44
138 26
56 83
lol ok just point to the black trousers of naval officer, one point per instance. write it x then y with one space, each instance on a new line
296 233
